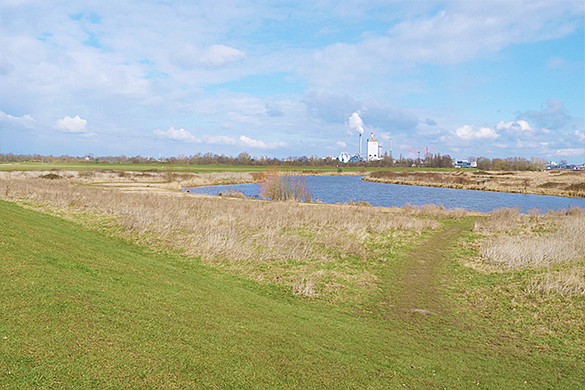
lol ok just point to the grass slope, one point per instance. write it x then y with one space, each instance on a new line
82 310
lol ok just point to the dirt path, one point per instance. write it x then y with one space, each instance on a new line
413 292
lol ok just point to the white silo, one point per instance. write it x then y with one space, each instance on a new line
373 149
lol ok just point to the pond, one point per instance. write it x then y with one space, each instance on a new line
343 189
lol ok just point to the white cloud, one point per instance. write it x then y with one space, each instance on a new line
238 117
569 152
252 143
520 125
177 135
219 55
219 140
458 32
340 144
580 135
25 121
71 125
562 65
468 132
214 56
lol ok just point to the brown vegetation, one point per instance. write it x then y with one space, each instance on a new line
553 183
284 187
130 179
552 244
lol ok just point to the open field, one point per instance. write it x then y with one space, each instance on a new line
136 285
552 183
154 168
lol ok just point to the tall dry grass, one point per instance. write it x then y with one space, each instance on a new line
538 241
553 243
566 283
170 179
283 242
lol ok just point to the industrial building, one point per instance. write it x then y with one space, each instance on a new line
374 152
374 149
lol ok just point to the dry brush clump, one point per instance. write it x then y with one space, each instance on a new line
549 239
553 243
566 283
282 242
275 186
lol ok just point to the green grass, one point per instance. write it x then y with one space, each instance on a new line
80 310
190 168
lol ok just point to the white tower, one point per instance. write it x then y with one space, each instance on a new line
373 150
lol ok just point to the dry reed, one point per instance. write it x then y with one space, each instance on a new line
553 242
561 243
554 183
565 283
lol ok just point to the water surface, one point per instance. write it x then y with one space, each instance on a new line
343 189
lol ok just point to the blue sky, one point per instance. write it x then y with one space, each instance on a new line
278 79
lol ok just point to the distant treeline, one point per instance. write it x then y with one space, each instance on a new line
511 164
430 161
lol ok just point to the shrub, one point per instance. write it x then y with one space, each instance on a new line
232 194
276 187
50 176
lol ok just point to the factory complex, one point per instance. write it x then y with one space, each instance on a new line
374 152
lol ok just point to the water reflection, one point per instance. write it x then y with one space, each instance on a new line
343 189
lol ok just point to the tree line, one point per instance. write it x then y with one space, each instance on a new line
429 161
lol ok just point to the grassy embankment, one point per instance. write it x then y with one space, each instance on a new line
552 183
279 295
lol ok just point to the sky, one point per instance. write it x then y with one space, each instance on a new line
280 78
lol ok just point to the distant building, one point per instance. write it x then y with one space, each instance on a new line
373 149
344 157
563 165
464 164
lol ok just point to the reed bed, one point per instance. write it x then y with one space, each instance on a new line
172 179
553 183
535 241
552 244
309 247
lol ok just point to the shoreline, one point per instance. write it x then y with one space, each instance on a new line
529 183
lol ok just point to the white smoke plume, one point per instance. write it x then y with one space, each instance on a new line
356 123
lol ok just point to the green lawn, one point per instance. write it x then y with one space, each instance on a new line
79 309
187 168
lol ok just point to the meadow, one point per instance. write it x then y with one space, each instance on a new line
128 283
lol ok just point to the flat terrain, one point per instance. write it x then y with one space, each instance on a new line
110 288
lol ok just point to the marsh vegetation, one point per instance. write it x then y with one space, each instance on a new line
552 183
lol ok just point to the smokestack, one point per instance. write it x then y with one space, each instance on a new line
360 153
